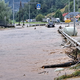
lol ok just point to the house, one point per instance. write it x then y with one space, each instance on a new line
71 16
64 14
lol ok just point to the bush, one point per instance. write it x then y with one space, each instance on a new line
39 17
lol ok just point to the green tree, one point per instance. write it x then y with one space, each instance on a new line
5 11
44 8
39 17
58 14
71 7
47 7
60 3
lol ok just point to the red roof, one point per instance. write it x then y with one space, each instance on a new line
64 14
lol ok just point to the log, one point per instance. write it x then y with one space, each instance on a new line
67 64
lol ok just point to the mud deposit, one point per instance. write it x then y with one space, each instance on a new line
24 51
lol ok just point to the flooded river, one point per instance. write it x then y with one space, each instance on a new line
24 51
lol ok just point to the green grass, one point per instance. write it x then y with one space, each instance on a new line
76 67
32 22
75 74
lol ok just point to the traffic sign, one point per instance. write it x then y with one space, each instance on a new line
38 6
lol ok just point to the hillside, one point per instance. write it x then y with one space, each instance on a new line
47 7
50 5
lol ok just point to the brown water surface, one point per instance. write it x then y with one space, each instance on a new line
24 51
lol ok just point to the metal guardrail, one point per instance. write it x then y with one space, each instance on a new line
70 39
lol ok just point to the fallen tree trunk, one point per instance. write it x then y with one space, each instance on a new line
67 64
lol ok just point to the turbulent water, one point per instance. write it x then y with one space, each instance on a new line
24 51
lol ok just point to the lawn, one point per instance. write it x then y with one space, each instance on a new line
32 22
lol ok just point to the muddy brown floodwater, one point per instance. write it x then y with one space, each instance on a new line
24 51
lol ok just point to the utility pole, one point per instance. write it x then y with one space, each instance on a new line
29 13
13 11
74 17
23 17
29 9
69 7
20 12
77 5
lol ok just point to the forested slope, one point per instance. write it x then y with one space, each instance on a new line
47 6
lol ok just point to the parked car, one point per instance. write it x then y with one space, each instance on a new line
50 24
